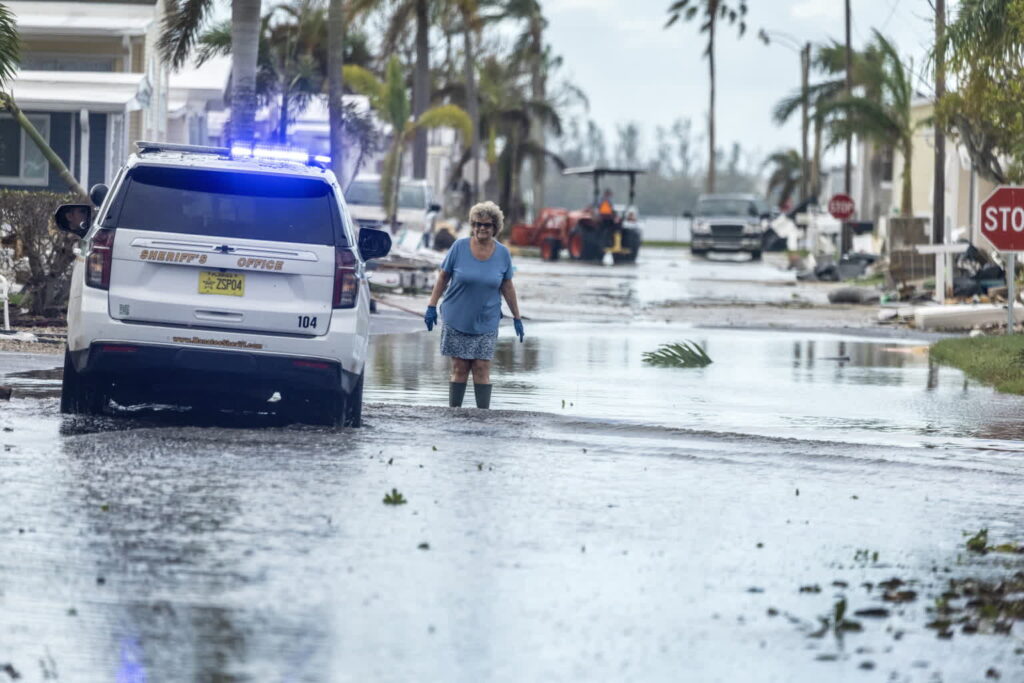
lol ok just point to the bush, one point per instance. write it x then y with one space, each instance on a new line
34 251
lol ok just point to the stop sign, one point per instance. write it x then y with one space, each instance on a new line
841 207
1002 218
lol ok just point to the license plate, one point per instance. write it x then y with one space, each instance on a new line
229 284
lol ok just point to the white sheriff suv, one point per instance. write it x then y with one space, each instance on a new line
219 278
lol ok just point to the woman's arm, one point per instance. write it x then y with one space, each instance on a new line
508 290
442 281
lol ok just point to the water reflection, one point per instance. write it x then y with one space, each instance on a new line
773 383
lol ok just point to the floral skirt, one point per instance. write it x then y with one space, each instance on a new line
467 346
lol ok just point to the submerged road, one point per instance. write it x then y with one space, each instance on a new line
609 521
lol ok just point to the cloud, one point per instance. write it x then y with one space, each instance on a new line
815 9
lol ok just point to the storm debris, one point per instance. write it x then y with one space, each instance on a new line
394 498
9 669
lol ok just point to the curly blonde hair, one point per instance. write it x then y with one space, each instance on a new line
488 211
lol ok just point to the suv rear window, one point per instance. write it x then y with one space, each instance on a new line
224 204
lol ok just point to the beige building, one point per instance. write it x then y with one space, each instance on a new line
92 82
964 188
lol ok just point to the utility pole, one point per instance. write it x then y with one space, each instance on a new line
849 92
805 170
939 190
846 239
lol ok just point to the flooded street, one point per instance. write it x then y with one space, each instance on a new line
607 521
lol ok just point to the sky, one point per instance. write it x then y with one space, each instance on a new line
633 69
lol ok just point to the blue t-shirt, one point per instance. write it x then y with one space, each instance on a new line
472 300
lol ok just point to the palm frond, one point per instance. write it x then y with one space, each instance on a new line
447 116
687 354
182 23
10 46
363 82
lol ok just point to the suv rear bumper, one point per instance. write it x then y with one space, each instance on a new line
147 369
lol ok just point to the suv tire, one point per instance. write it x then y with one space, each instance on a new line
80 395
755 255
354 417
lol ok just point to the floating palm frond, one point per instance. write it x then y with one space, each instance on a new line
686 354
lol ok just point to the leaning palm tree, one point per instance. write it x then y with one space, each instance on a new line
819 95
182 25
785 174
711 13
884 119
391 101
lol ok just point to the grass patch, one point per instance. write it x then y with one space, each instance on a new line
998 361
665 243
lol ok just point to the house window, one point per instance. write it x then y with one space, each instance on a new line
21 162
886 157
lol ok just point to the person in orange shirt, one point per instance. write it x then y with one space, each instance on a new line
605 208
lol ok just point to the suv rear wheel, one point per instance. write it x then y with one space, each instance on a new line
354 415
82 395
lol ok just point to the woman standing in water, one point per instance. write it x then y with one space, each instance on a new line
475 275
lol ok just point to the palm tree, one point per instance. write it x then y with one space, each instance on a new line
184 21
818 97
785 174
882 114
336 84
711 12
529 50
391 101
403 13
291 63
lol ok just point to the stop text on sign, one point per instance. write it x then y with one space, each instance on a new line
1003 219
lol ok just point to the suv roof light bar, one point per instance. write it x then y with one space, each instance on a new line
146 147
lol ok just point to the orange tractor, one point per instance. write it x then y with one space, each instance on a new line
588 234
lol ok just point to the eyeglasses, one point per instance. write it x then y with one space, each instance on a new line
477 224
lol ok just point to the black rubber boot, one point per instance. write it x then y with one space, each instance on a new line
483 395
456 392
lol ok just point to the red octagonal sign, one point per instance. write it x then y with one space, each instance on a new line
841 207
1002 218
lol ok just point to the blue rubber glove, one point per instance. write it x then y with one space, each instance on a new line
430 317
518 323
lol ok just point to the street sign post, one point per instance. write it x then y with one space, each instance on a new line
1002 224
841 207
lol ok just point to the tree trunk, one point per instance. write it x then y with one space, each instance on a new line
421 89
907 201
538 87
245 29
472 106
816 161
336 85
282 130
7 102
939 188
712 22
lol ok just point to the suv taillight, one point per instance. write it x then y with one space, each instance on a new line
346 286
101 253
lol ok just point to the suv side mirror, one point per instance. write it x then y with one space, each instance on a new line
374 243
687 214
74 218
434 207
98 193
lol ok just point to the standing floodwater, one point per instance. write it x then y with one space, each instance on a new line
613 520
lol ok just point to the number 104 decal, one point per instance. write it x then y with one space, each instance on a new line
305 322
